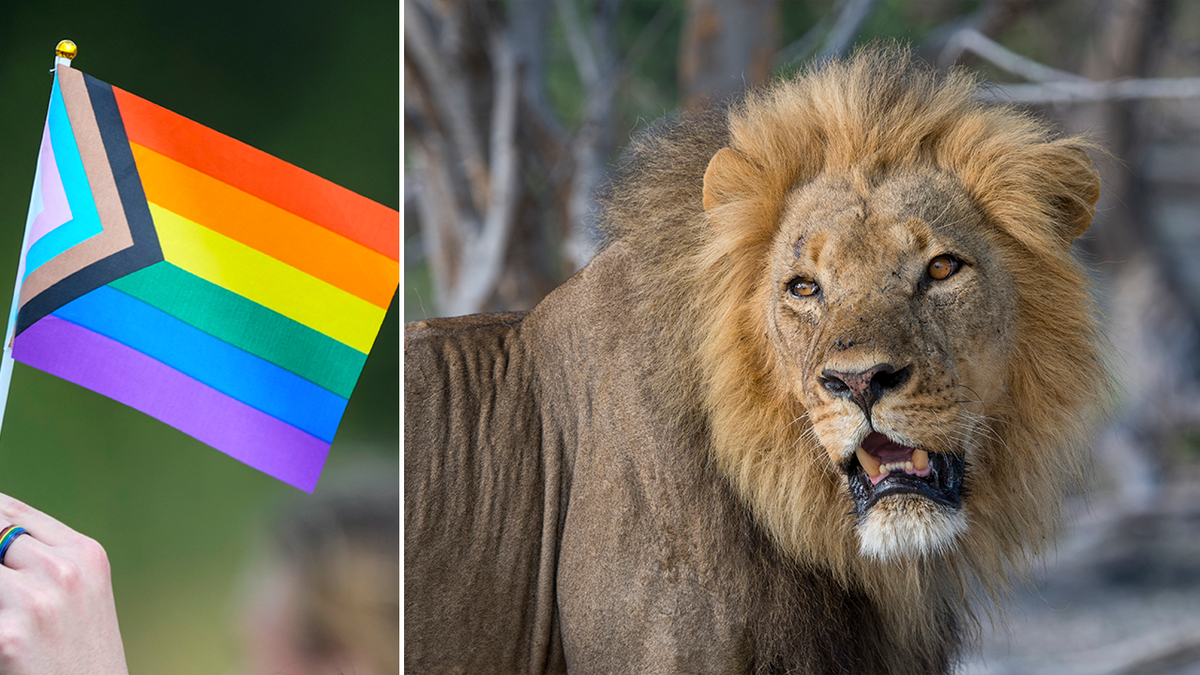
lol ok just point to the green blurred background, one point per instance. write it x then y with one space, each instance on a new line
313 83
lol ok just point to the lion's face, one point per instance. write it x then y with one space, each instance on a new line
868 316
891 317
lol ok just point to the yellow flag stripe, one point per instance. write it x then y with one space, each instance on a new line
262 279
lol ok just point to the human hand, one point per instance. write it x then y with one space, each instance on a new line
57 615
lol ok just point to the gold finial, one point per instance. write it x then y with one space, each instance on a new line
66 49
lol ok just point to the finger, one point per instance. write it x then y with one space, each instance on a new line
14 589
27 553
21 570
44 528
23 558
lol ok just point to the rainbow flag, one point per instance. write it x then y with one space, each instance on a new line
185 274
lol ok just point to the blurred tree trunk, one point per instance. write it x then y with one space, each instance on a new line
1151 323
506 209
727 47
463 75
593 49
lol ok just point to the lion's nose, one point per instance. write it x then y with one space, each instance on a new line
866 387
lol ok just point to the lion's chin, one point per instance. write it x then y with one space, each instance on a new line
909 526
908 501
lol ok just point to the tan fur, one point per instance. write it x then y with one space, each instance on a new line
708 281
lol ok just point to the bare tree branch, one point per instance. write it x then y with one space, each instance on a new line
847 26
443 203
485 254
991 19
839 27
1090 92
593 140
579 44
440 218
646 39
449 98
529 27
806 46
971 40
464 87
1059 86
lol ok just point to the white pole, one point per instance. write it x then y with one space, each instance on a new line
63 53
6 361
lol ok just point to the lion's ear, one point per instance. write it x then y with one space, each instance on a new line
1077 189
730 175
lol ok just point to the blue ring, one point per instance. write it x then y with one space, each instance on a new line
8 540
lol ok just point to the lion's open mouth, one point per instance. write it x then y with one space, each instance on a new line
885 468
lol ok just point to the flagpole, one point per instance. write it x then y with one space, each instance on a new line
63 53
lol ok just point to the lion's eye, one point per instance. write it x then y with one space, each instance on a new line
802 288
943 267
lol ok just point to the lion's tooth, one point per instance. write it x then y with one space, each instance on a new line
920 460
869 462
908 466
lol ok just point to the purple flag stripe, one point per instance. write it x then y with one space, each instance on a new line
107 367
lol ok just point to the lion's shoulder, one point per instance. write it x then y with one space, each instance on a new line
432 331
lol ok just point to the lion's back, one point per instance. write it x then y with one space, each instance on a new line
476 590
538 471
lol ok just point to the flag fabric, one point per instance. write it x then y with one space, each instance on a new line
188 275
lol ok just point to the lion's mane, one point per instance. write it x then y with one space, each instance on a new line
702 277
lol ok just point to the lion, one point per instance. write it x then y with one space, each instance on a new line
822 393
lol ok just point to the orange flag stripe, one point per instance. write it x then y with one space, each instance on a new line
267 228
253 171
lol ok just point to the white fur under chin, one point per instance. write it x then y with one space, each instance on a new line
907 526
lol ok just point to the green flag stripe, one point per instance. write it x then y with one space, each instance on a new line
247 325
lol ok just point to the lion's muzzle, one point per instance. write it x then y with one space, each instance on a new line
882 468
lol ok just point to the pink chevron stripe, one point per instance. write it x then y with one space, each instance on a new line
55 209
